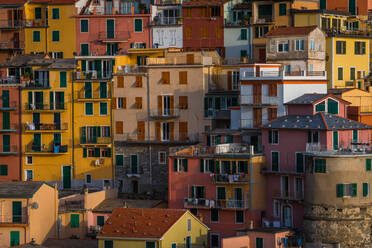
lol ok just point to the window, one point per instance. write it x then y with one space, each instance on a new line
276 208
260 31
188 33
138 104
299 162
180 165
312 45
272 113
183 102
134 164
332 107
282 9
36 36
62 79
137 25
84 50
162 157
368 164
243 34
320 107
352 73
29 160
274 137
320 165
283 47
189 225
188 242
3 170
197 192
243 53
313 137
174 245
29 175
55 36
165 77
88 178
365 189
239 217
340 73
150 244
274 161
349 190
88 108
203 32
183 77
122 102
355 135
214 215
285 186
300 45
37 13
215 240
359 47
340 47
74 220
206 165
103 108
55 13
259 243
273 89
84 26
108 244
119 159
235 80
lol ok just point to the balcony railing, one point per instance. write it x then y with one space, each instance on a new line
132 137
92 75
285 195
12 127
45 126
212 203
37 85
12 45
265 19
164 20
183 60
354 147
116 35
96 140
127 69
46 149
8 149
259 100
13 219
164 113
34 23
11 24
94 95
246 75
43 106
167 2
8 105
10 80
230 179
252 123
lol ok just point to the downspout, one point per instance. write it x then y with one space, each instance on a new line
148 123
46 30
28 220
112 128
20 132
73 124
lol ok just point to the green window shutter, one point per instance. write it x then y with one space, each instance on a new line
175 164
88 108
320 107
14 238
245 164
83 135
365 189
36 36
208 140
243 34
74 220
174 245
103 108
221 193
3 170
299 162
368 164
6 143
211 165
274 161
88 90
256 32
63 79
218 140
97 152
134 163
100 220
218 167
84 152
340 190
335 140
243 53
103 90
352 73
185 164
37 13
234 169
6 120
137 25
340 73
270 137
119 160
282 9
83 65
206 107
55 13
192 191
84 28
84 49
51 100
55 36
354 189
332 107
201 165
355 135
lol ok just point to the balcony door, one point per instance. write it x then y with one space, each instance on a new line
57 120
166 105
5 98
287 216
16 212
110 29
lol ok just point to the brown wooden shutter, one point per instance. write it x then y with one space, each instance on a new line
171 103
141 130
113 103
182 131
165 77
182 102
183 77
157 131
275 90
190 59
160 105
171 131
120 82
138 102
119 127
229 80
139 81
257 114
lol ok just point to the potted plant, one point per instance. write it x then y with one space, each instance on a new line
245 20
142 8
179 20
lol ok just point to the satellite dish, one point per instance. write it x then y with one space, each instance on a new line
34 205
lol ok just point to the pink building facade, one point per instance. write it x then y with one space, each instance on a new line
316 123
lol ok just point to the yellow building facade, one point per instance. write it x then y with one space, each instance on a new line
50 28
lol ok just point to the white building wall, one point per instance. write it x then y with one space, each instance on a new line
235 119
234 44
165 37
292 91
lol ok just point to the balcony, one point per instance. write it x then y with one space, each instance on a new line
134 138
183 60
285 195
166 21
252 123
45 127
95 141
120 36
11 45
37 85
167 2
12 24
50 149
127 69
212 203
170 113
95 95
13 219
10 80
8 150
36 23
264 19
230 179
45 107
92 75
353 148
283 75
8 106
10 128
259 100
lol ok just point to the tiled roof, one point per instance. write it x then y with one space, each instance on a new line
19 189
196 3
109 205
319 121
281 31
140 222
12 2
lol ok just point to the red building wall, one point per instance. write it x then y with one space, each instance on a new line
343 5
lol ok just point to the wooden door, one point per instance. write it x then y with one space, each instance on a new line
257 117
257 94
141 130
262 54
183 131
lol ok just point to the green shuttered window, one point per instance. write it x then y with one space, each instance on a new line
282 9
36 36
88 108
243 34
137 25
3 170
103 108
84 26
119 160
275 161
74 220
320 166
55 13
55 36
368 164
365 189
62 79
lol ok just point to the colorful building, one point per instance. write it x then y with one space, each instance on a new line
221 184
315 123
353 7
50 27
24 205
159 228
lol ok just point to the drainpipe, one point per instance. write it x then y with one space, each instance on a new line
20 132
112 129
148 123
73 125
46 30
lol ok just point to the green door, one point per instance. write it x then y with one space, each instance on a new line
57 120
5 98
98 68
36 145
17 211
66 177
88 90
14 238
6 143
6 120
102 90
100 220
323 4
335 140
39 100
352 7
110 28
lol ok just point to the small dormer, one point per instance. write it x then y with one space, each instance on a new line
328 105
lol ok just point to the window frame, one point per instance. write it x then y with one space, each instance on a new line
4 170
272 137
236 217
100 109
32 160
59 37
85 108
86 178
271 165
26 172
338 73
211 216
33 36
53 9
134 25
81 21
165 157
122 156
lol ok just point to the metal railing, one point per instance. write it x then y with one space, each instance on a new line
285 195
14 219
92 74
164 113
265 100
8 104
264 19
182 60
230 179
45 126
44 106
10 80
127 69
252 123
215 203
115 35
37 84
36 23
167 2
354 147
95 140
132 137
8 149
9 127
51 148
12 23
233 148
164 20
11 45
97 94
283 74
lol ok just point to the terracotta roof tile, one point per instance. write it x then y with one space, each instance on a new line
291 31
12 2
140 222
196 3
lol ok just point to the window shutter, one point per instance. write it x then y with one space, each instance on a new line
218 167
171 103
201 165
113 103
208 140
97 152
270 136
192 191
233 167
157 131
171 131
245 163
340 190
365 189
175 164
119 160
229 80
185 164
51 100
211 165
120 82
83 134
354 189
119 127
160 105
368 164
139 81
